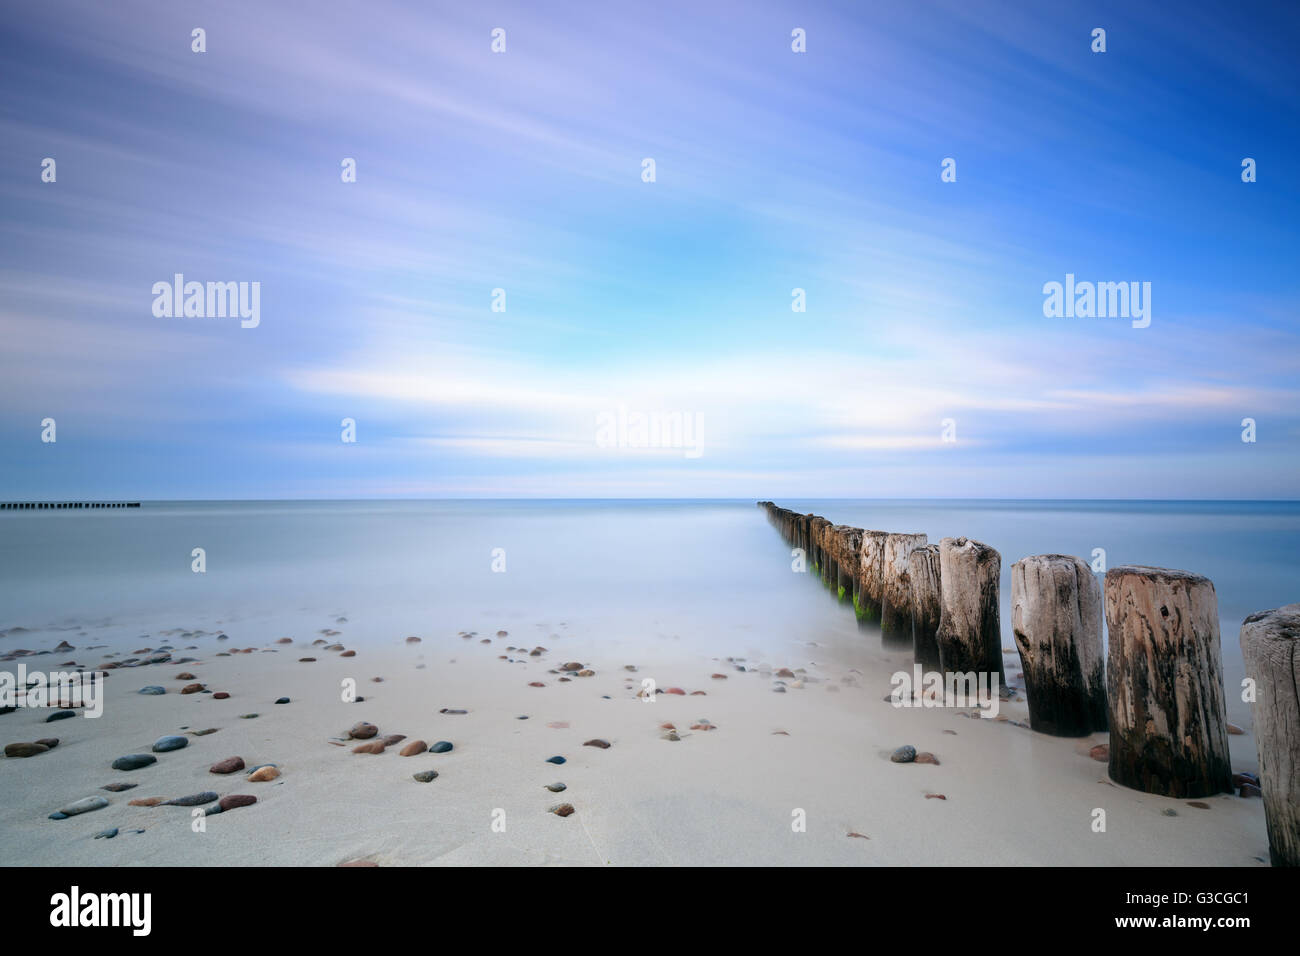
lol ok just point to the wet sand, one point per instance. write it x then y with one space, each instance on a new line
818 752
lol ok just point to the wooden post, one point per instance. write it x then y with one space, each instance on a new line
1168 727
847 542
1056 619
896 587
820 528
871 561
970 626
923 566
1270 643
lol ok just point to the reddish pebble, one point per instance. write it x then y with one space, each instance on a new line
236 800
220 695
229 765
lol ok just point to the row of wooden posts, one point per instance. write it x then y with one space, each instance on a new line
63 505
1158 689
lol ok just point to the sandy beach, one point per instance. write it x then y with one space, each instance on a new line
814 746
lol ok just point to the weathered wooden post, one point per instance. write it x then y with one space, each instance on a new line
923 568
970 626
1168 727
848 541
896 587
871 561
1270 644
1056 619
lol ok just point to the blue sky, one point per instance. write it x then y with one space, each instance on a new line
774 170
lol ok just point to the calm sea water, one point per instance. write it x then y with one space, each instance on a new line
711 577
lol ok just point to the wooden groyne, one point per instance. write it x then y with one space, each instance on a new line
63 505
1159 693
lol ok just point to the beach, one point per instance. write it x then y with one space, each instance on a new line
788 693
1000 795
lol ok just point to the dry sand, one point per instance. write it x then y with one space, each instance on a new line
727 796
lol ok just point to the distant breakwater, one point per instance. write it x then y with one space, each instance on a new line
64 505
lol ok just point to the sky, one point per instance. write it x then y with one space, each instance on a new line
774 170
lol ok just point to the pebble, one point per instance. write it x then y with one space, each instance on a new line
191 688
229 765
413 640
374 747
204 733
926 757
24 749
556 787
935 796
172 742
134 761
60 715
413 748
363 731
597 742
185 676
1198 804
282 700
106 834
220 695
703 724
145 802
264 774
1235 730
392 740
447 710
235 800
424 776
904 754
348 654
247 716
118 787
1169 812
193 800
441 747
671 735
555 760
536 683
562 809
85 805
1101 752
153 690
